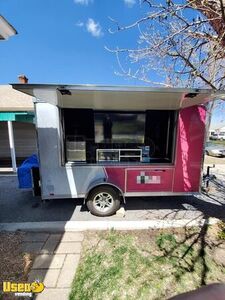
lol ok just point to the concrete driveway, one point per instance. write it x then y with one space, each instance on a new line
20 206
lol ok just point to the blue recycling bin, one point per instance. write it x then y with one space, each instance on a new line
24 172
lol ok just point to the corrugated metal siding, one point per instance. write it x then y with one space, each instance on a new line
25 139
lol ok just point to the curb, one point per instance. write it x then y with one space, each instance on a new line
105 225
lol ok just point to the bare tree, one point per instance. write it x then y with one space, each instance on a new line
180 42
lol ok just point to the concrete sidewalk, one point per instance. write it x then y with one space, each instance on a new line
76 226
56 261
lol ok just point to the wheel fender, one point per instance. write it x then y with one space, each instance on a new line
101 182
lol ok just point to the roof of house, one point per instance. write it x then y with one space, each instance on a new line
6 29
221 128
12 100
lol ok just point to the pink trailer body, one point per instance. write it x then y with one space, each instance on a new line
189 153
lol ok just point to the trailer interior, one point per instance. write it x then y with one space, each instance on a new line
118 136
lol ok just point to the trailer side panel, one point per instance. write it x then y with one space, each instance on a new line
189 152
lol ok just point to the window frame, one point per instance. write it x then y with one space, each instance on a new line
170 161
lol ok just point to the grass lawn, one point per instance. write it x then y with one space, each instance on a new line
217 142
146 264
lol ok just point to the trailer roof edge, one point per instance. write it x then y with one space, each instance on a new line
112 97
109 87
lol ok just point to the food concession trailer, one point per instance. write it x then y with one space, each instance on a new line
105 143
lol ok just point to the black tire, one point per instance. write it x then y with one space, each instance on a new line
207 152
94 196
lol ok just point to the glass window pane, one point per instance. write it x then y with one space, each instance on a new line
120 128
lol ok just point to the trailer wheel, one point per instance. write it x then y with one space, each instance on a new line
103 201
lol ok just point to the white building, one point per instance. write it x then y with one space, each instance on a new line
219 130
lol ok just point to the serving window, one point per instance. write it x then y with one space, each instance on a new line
118 137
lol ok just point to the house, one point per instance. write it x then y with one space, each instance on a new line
17 130
221 129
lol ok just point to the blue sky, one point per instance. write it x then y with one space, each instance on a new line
63 41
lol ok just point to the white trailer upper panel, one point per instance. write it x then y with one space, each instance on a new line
116 97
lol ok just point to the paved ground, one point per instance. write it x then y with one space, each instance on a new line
58 254
20 206
56 261
214 160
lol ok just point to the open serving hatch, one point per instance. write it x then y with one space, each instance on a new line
117 97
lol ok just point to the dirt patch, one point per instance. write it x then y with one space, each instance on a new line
214 160
14 263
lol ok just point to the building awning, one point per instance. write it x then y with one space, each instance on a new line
117 97
17 116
